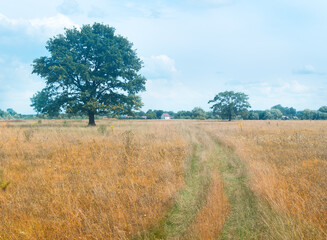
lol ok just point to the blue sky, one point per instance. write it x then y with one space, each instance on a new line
274 51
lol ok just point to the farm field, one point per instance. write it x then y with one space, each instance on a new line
175 179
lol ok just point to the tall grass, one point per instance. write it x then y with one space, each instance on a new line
62 180
287 163
70 182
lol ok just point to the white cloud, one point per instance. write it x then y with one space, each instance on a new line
160 66
292 86
39 27
265 94
306 69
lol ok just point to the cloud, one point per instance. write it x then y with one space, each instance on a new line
69 7
293 87
160 66
276 88
264 94
38 27
306 70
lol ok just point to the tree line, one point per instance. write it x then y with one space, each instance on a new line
277 112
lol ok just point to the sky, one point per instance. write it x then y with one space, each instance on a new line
274 51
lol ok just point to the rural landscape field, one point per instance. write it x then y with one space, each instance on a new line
163 179
177 120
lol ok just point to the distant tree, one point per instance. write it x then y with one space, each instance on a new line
90 71
3 114
210 115
267 115
139 114
11 111
198 113
171 113
158 113
321 115
323 109
281 109
44 103
253 116
151 114
307 114
276 113
292 112
183 115
228 104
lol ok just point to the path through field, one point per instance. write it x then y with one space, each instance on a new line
231 209
163 180
217 202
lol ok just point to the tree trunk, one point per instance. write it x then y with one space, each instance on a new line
91 119
229 116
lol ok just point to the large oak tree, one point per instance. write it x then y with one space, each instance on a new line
90 70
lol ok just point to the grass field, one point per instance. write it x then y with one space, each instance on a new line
163 180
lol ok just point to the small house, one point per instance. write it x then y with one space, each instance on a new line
165 116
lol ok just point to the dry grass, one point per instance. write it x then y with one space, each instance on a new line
70 182
287 163
62 180
211 218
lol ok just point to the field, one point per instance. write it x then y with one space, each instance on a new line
163 180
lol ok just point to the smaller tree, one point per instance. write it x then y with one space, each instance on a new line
43 103
11 111
158 113
151 114
253 116
323 109
267 115
198 113
282 109
276 113
183 115
229 104
3 114
292 112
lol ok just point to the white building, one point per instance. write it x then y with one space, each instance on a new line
165 116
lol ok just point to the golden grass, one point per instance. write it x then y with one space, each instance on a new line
211 218
77 183
287 163
68 181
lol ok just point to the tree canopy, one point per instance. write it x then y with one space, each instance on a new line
90 70
290 112
323 109
229 104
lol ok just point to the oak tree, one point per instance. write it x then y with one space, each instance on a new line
90 70
229 104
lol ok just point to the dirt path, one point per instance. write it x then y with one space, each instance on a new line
243 217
